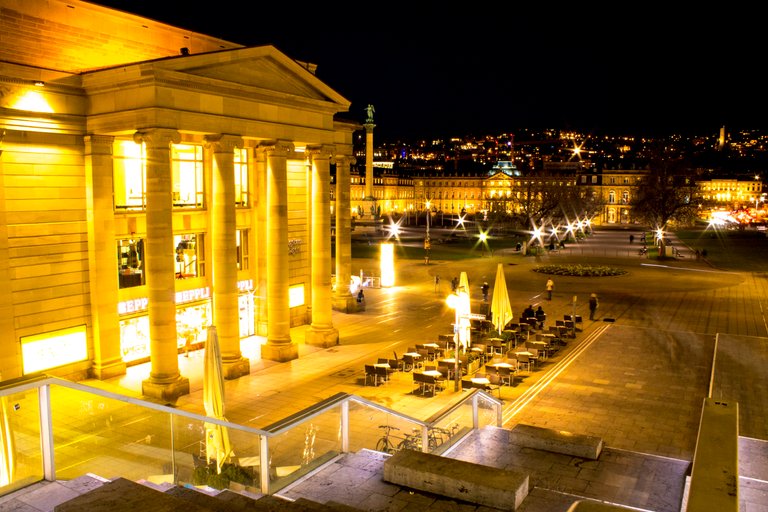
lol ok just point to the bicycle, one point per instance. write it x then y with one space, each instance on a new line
385 444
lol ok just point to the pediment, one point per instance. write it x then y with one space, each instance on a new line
263 68
499 176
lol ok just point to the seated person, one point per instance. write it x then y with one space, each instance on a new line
541 317
529 312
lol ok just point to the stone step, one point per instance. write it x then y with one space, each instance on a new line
123 495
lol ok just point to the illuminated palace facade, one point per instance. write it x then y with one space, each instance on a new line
609 192
155 182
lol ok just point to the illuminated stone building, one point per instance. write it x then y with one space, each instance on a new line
731 193
155 181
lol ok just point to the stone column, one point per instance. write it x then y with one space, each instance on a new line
279 346
164 382
226 312
343 300
260 239
369 161
10 360
321 332
102 258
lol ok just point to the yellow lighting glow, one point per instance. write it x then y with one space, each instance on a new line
296 295
387 265
33 101
51 349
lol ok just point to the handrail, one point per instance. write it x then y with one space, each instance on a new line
284 424
43 384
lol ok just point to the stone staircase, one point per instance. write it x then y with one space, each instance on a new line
93 494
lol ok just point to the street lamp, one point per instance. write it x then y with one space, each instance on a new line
427 241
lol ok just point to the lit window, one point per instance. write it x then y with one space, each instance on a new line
190 255
130 257
242 249
187 174
129 175
241 177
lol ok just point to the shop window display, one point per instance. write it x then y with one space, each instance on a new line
189 255
130 256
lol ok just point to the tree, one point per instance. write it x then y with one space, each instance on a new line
666 194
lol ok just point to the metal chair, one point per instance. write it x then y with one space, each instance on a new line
370 374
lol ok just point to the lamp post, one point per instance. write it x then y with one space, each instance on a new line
427 241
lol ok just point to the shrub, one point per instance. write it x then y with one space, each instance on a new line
580 270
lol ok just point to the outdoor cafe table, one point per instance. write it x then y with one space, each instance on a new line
501 365
480 380
446 337
431 345
432 373
413 354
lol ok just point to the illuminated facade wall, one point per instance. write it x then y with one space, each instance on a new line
87 240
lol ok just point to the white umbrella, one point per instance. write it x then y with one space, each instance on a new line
216 436
463 311
501 309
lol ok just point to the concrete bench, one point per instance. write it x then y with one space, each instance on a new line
557 441
714 481
466 481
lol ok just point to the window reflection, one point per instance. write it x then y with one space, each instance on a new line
130 257
241 177
189 255
129 175
187 170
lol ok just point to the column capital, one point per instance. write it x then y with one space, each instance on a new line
157 137
222 142
104 142
343 159
276 147
321 151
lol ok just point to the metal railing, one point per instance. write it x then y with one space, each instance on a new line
57 429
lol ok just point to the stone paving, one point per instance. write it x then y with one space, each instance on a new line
637 381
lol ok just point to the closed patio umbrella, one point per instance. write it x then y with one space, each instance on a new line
464 310
216 436
501 309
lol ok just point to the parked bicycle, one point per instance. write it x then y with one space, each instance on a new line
387 442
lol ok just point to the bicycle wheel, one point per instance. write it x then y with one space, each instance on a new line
383 445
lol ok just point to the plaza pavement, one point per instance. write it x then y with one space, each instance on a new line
677 331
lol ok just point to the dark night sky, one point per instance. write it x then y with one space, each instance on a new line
432 69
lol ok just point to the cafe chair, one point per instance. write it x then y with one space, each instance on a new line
504 375
370 375
382 373
495 384
523 361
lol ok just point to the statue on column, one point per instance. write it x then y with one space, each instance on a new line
370 111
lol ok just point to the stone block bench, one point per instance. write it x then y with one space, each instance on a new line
557 441
466 481
714 481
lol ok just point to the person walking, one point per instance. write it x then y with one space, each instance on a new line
437 283
592 306
485 291
550 287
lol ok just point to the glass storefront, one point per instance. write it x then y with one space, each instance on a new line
192 323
